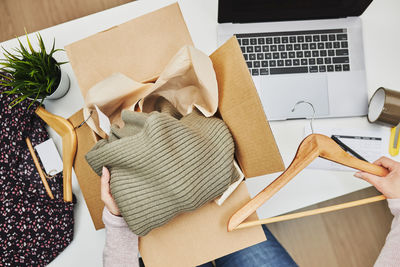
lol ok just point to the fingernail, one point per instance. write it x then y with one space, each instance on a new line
357 175
104 170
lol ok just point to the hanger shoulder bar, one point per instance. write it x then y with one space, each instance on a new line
307 152
69 144
331 151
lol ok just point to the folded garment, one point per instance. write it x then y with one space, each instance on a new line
163 163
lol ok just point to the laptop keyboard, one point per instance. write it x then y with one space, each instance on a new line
295 52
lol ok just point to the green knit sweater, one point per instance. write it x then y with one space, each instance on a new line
163 164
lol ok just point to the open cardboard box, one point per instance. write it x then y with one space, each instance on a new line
140 49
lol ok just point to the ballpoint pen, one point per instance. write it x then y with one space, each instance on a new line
346 148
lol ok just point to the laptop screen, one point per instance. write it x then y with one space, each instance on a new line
241 11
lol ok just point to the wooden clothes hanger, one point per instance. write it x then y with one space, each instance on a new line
69 144
313 146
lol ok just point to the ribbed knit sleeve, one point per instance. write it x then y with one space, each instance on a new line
121 248
390 254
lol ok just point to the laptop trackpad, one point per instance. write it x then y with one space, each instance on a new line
280 93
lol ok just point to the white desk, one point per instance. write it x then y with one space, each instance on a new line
381 43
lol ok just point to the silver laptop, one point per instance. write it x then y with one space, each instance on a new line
309 51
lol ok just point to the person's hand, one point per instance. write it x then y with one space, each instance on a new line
106 196
388 185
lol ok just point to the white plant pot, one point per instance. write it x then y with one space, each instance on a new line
62 88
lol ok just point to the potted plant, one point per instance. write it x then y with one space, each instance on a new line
33 75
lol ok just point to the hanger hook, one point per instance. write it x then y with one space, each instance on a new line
312 118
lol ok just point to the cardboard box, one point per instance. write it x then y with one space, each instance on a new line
199 236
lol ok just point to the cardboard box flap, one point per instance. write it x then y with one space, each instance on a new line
139 48
200 236
241 109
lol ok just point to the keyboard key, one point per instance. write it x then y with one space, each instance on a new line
313 69
246 56
332 37
277 40
267 55
275 55
253 41
304 61
336 60
249 49
263 71
313 46
307 53
330 68
323 53
299 54
328 45
311 61
284 55
285 40
260 56
256 64
239 41
254 72
273 48
257 48
320 61
252 56
265 48
341 37
243 49
288 70
328 60
272 63
280 63
324 37
296 62
321 46
338 67
315 53
245 41
249 64
261 41
308 38
292 39
289 47
336 45
316 38
297 47
281 47
264 64
304 46
300 39
331 53
292 54
268 40
342 52
346 67
288 62
344 44
322 68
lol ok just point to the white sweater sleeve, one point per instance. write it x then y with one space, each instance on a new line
121 248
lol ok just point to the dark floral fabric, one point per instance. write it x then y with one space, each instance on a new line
33 228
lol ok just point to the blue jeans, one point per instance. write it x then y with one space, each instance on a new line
269 253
